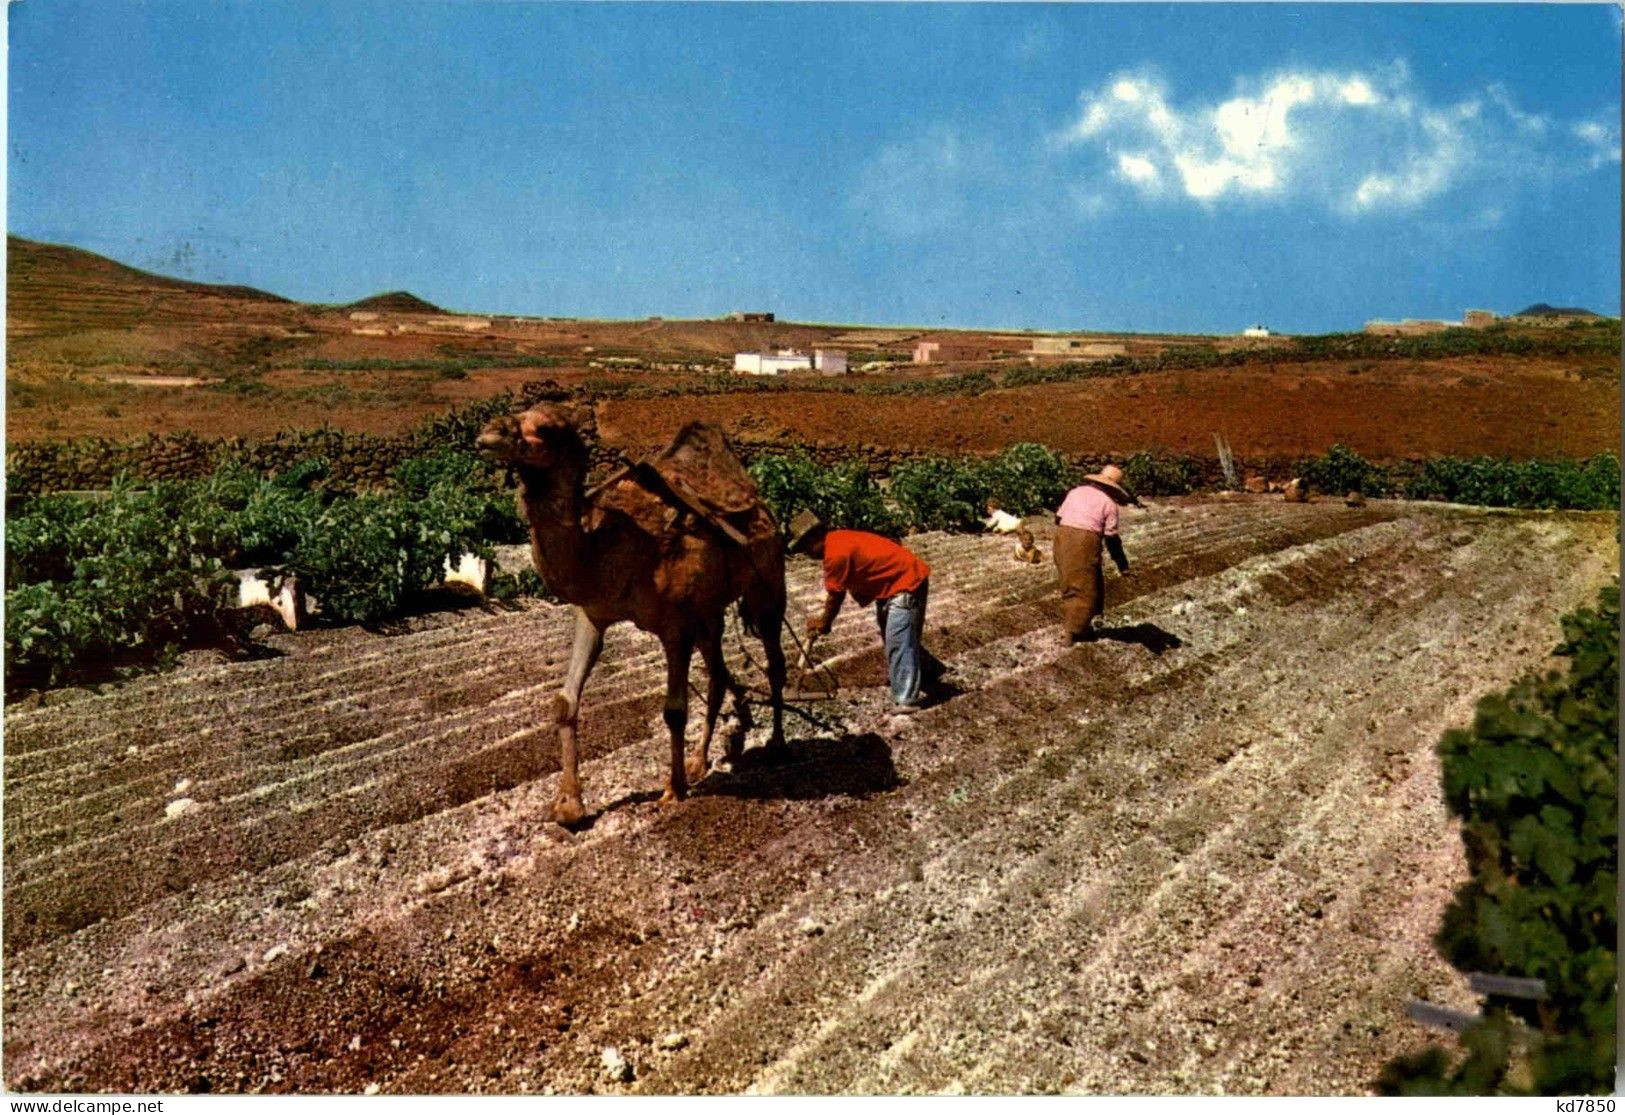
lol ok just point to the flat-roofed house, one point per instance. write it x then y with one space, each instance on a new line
829 361
779 363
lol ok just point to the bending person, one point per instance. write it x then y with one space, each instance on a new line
872 568
1087 519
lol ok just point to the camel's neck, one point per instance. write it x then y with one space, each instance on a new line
552 500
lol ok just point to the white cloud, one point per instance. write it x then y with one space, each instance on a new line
1357 91
1601 140
1354 142
1136 168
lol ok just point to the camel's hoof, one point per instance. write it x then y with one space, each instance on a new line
696 769
671 797
568 811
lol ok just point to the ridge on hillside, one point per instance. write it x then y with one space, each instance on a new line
396 302
1541 309
33 264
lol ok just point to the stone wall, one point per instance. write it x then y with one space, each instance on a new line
355 460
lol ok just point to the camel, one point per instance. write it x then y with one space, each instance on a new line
628 551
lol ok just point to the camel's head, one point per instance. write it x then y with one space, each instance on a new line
540 437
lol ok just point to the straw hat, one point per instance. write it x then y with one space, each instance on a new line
802 527
1110 479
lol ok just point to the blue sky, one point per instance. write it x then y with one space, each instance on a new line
1160 167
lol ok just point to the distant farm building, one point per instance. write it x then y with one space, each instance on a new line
771 363
1410 327
1538 314
1077 348
933 352
750 315
1255 331
1057 346
829 362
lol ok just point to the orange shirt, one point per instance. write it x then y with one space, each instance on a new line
869 567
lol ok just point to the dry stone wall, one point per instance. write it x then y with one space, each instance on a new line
355 460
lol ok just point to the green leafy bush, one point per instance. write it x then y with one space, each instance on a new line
361 557
127 576
1536 783
843 496
279 513
1591 485
1147 474
97 582
44 540
938 494
1342 470
1027 478
459 489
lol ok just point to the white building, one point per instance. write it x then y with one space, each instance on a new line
830 362
1255 331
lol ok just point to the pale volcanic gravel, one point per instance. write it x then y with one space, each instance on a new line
1128 867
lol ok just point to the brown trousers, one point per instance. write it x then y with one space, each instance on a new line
1083 582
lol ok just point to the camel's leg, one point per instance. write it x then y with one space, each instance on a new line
772 628
679 649
716 668
589 640
734 745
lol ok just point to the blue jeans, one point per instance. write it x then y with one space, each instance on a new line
902 620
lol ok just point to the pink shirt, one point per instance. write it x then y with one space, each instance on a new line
1088 508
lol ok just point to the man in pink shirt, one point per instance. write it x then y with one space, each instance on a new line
1086 519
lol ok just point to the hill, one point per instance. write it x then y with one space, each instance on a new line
1541 309
31 264
396 302
52 288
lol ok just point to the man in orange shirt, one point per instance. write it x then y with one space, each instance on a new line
872 568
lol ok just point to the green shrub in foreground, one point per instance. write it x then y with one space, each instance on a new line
1536 784
97 583
459 490
132 574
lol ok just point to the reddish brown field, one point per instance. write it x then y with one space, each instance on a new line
95 349
1465 407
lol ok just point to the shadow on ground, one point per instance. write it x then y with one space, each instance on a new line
1148 635
807 769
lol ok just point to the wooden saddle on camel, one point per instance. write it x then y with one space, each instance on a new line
697 475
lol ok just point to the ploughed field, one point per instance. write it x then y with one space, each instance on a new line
1464 407
1207 854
